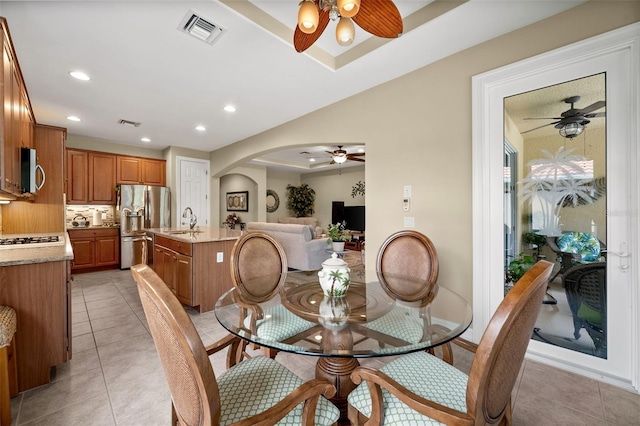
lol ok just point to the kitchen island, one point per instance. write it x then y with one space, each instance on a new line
194 265
35 281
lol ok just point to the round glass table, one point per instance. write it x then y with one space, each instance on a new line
372 320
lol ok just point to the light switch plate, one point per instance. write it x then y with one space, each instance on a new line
220 257
409 222
406 193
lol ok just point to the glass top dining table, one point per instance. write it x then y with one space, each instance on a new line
371 320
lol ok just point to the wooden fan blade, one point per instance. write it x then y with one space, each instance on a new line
597 114
349 157
594 106
380 18
302 41
357 153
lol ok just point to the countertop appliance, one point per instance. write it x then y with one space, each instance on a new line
140 207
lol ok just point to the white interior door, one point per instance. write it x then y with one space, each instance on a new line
193 189
616 54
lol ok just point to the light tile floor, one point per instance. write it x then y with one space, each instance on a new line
115 377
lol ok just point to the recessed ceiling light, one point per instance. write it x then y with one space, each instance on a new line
360 149
230 108
73 118
201 128
145 140
312 160
79 75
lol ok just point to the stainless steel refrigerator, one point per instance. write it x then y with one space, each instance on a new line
141 207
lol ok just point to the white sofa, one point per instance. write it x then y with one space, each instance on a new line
312 221
304 252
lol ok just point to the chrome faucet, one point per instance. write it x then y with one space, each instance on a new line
192 217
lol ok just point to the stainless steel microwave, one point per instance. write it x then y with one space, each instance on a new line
29 170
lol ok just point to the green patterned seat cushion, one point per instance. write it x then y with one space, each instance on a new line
402 323
278 324
257 384
580 243
423 374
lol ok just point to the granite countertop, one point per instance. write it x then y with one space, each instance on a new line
202 235
74 228
35 253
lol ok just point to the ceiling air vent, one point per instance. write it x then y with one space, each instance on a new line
129 123
200 28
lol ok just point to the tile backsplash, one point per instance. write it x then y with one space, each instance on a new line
108 213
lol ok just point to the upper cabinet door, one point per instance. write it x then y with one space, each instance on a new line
102 178
140 171
77 172
154 172
129 171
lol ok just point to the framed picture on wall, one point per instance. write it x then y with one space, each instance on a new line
238 201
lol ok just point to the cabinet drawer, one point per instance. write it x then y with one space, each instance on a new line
93 232
177 246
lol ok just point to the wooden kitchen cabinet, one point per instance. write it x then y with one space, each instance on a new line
102 178
140 171
40 294
172 263
17 121
77 188
91 177
190 269
94 249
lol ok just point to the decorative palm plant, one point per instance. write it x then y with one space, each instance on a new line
553 180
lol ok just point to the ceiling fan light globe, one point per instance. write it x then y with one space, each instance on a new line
340 158
571 130
348 8
345 32
308 17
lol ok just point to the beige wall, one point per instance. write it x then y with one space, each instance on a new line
332 186
249 179
417 130
278 181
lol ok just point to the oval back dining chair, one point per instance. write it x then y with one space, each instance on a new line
258 272
409 253
258 266
412 255
421 389
250 392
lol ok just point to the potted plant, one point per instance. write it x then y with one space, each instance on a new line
517 268
232 220
338 234
300 200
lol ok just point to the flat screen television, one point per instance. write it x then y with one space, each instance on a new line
354 217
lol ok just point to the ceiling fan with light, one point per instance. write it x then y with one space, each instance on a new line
572 122
339 156
378 17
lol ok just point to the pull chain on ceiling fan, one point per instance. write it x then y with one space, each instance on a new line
378 17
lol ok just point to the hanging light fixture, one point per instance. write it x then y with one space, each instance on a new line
308 16
345 31
380 18
340 157
571 130
348 8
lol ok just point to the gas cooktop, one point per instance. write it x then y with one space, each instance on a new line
47 240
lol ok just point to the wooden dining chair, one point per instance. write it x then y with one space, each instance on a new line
421 389
409 254
256 391
258 272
